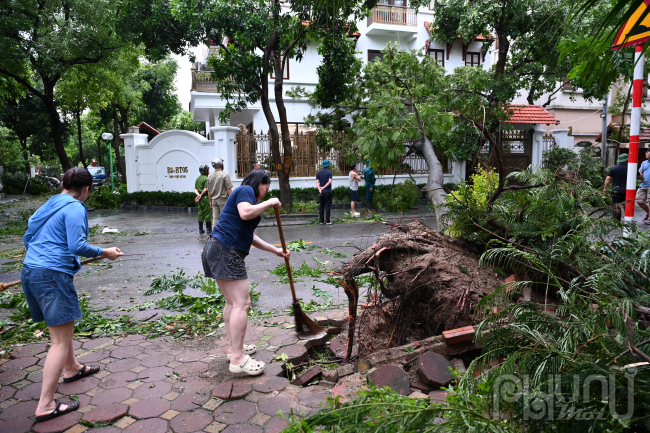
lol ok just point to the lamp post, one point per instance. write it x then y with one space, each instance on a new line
108 136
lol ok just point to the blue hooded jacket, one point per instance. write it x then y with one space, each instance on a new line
56 235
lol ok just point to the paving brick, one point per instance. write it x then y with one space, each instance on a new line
124 422
86 408
194 385
77 429
173 364
102 374
235 412
215 427
105 414
22 409
158 360
153 425
30 392
271 384
392 376
313 396
438 396
212 404
138 369
93 356
265 356
339 346
110 396
194 421
12 376
6 392
16 425
270 404
232 390
131 401
308 375
58 424
93 392
296 353
20 363
154 374
191 369
243 428
337 318
149 408
21 384
131 340
29 350
117 380
8 403
108 429
170 396
78 386
459 335
121 365
97 342
458 364
126 352
189 401
170 414
259 419
275 425
274 369
152 390
433 369
135 385
190 356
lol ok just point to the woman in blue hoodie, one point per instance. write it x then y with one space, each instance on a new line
55 238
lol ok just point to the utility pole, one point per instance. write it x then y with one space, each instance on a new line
108 136
603 144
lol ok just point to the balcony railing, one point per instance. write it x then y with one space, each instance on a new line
202 82
395 15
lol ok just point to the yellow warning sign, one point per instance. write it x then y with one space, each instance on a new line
636 30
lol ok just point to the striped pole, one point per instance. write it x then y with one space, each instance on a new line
635 127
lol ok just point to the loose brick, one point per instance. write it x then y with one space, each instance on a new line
392 376
296 353
310 374
271 384
105 414
232 390
459 335
433 369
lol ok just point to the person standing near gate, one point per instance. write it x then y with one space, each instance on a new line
201 191
324 185
618 177
354 189
369 178
642 194
219 188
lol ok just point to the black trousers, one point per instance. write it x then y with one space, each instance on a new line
618 198
324 207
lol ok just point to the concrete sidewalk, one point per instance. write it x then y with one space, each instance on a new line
160 386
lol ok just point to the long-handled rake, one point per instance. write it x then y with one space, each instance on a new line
306 328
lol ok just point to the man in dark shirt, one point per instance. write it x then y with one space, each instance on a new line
618 177
324 185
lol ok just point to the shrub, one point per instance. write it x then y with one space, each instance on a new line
14 183
104 198
404 197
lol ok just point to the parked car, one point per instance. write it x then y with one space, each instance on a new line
99 175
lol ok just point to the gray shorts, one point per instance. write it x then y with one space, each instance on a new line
221 263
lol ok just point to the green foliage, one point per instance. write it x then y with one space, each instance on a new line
15 223
296 245
584 163
14 183
184 120
303 271
103 198
404 198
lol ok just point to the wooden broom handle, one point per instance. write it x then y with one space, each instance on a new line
5 286
286 259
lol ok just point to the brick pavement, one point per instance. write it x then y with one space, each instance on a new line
156 385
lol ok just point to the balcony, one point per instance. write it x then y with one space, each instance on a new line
385 19
202 82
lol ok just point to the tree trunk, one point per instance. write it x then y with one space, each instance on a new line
81 149
23 144
435 178
55 127
116 146
99 150
283 175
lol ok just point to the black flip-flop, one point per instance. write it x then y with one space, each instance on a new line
85 371
72 406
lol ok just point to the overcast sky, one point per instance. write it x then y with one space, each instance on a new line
183 82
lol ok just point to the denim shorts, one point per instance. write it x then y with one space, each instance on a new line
51 296
354 195
222 263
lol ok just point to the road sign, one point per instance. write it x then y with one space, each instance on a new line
636 30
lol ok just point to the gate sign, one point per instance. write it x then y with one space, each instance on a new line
636 30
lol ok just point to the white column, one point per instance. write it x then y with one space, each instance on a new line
537 156
225 147
458 171
562 138
131 141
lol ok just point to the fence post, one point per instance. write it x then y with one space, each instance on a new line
225 147
132 140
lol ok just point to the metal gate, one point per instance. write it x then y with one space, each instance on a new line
517 148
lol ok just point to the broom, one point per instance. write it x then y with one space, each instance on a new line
307 329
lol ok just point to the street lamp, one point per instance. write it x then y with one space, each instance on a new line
108 136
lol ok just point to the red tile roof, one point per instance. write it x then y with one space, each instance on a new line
530 114
429 27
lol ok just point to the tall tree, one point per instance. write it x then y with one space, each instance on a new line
48 38
256 39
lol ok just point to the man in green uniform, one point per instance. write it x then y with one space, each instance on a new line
219 188
201 191
369 177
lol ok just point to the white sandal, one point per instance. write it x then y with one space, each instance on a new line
249 349
249 366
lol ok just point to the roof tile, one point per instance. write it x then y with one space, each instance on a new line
531 114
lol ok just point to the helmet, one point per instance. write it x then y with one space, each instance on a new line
204 169
217 163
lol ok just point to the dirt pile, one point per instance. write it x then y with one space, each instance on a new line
425 283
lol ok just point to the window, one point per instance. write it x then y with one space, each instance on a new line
286 70
374 54
439 55
472 59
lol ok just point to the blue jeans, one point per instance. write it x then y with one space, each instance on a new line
51 296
